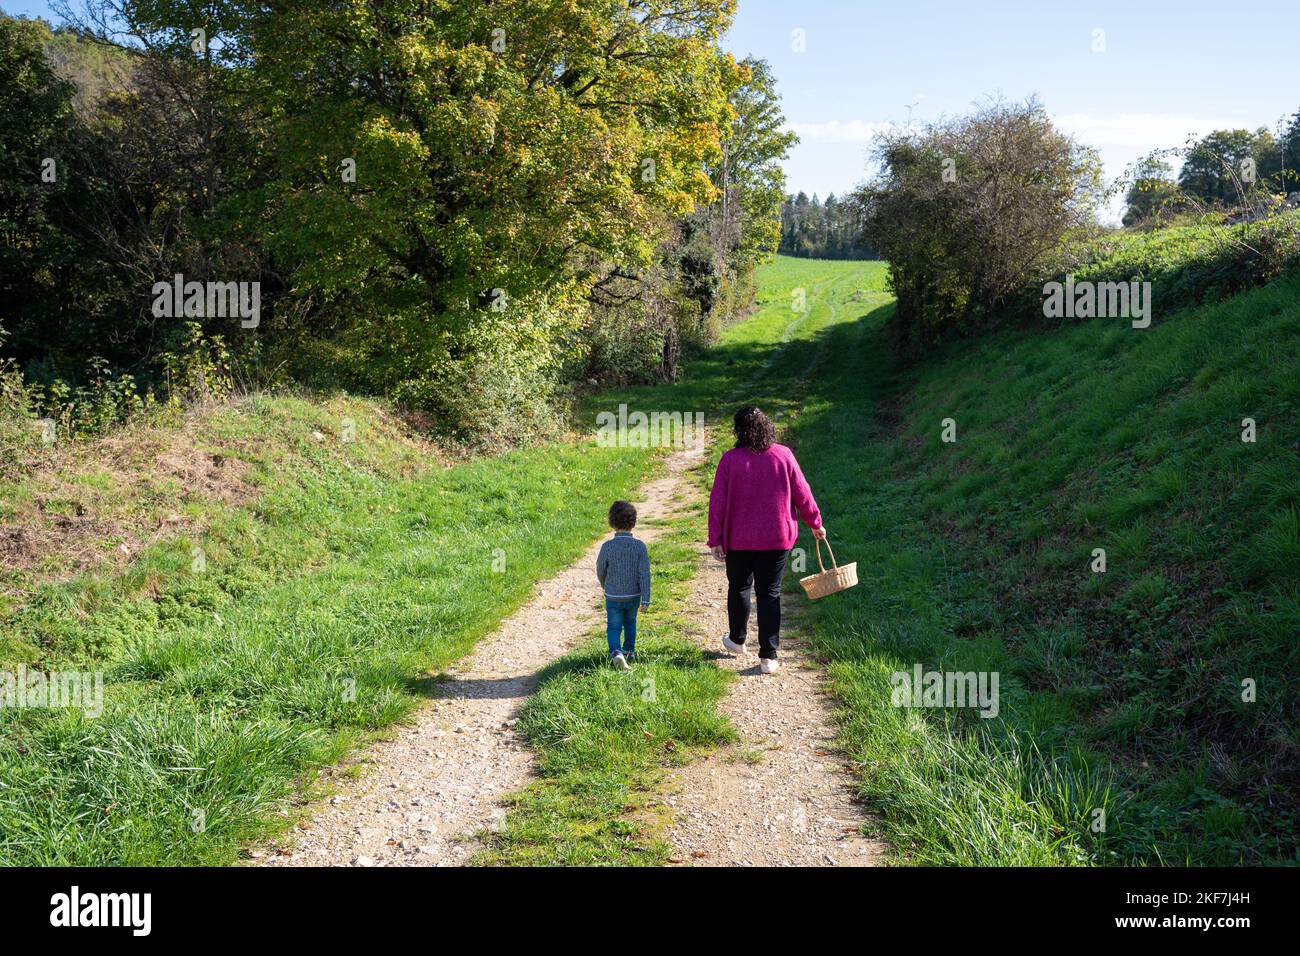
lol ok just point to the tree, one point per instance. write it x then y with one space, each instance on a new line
968 210
1289 155
816 230
703 276
435 196
749 177
145 158
36 120
1227 165
503 154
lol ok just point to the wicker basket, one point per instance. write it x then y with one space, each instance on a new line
828 582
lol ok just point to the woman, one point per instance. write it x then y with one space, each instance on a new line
758 493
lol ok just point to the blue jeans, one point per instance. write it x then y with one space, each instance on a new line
620 617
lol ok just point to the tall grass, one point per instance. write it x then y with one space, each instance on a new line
1120 692
318 611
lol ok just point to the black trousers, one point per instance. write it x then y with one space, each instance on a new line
762 571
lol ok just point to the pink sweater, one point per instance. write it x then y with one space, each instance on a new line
757 497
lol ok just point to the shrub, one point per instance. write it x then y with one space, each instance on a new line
16 414
966 210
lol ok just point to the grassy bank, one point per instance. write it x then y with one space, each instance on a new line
1121 735
1120 691
349 564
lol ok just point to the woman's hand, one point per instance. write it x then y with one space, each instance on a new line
718 553
819 533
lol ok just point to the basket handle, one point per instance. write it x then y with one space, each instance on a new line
818 543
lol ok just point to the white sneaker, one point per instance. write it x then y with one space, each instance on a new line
619 661
769 665
730 645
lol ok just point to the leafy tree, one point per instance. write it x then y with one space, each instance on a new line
152 147
438 198
750 177
96 70
1227 165
496 148
644 319
35 124
968 210
1289 155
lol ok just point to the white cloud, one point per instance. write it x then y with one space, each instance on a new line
1140 131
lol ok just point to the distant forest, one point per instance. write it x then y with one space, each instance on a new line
813 229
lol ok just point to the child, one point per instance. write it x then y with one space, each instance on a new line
623 567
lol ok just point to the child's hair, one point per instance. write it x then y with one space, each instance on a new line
753 429
622 516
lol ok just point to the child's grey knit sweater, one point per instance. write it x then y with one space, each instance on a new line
623 567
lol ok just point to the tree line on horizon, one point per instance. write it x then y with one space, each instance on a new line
812 229
1218 172
1222 170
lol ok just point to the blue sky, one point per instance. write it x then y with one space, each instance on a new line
1168 70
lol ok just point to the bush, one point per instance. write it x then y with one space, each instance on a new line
17 428
968 209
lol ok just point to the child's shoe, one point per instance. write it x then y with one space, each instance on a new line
732 647
619 661
769 665
630 657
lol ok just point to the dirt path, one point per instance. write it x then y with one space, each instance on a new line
779 796
782 795
442 777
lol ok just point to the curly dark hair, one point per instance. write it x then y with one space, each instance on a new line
753 429
622 516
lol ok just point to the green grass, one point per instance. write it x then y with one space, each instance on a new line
1193 262
351 571
1119 692
321 605
358 567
